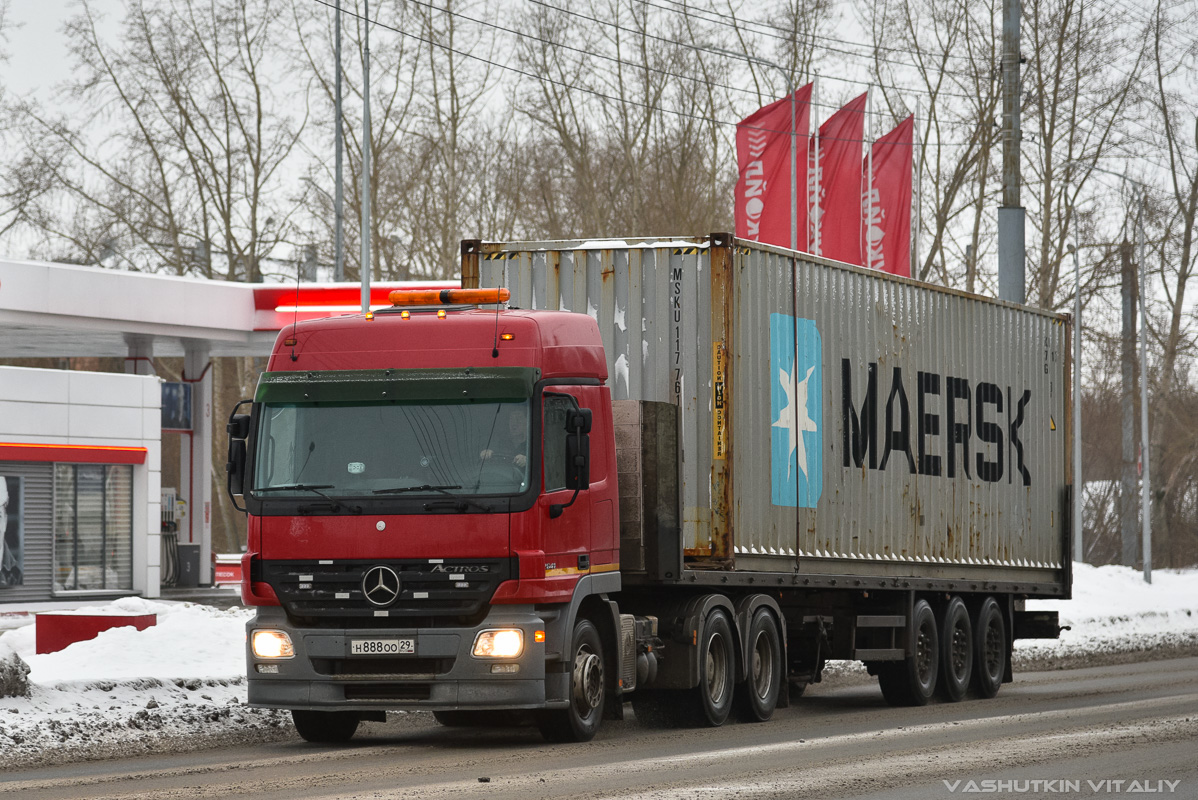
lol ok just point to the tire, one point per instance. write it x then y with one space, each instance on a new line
912 681
325 727
956 651
712 698
579 721
758 696
990 649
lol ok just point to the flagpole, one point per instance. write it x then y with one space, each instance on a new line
365 233
794 166
918 189
817 216
869 171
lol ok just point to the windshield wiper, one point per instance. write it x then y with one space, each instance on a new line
422 488
301 487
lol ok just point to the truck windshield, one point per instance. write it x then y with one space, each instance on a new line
362 449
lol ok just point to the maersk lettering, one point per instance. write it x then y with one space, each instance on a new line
927 383
898 437
967 410
989 432
860 434
958 432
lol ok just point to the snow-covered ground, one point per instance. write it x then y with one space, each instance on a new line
180 684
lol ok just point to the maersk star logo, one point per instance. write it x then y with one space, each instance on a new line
796 403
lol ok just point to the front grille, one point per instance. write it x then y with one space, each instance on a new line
388 691
322 594
381 668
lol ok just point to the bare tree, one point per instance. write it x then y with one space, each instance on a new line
1172 131
946 51
178 158
626 127
1078 96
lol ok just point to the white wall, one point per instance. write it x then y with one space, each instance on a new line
46 406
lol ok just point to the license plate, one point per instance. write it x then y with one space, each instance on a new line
381 647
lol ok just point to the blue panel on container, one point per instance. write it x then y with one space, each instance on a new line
796 409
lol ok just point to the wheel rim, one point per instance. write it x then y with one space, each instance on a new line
994 649
763 666
925 658
588 681
960 651
717 670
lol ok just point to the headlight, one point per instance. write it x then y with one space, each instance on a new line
272 644
507 643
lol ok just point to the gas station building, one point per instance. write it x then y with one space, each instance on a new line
81 498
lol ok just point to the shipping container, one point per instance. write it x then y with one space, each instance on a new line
835 421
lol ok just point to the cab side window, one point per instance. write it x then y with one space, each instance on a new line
556 407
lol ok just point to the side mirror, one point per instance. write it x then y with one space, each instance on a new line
235 467
578 421
578 456
238 428
578 461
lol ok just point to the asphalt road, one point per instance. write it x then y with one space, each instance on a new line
1097 732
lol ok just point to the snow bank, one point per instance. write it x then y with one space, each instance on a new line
176 685
1114 611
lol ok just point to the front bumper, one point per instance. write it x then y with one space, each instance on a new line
443 673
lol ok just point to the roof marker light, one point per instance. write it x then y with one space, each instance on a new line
405 314
507 337
440 313
446 297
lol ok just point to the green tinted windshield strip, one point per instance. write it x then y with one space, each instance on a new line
401 385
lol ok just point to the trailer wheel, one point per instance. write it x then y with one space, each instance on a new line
717 671
757 697
990 648
579 721
325 727
912 681
956 651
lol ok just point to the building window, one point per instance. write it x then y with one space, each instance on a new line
93 527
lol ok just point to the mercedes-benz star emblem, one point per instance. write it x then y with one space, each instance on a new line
380 585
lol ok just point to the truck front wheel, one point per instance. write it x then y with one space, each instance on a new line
579 721
325 727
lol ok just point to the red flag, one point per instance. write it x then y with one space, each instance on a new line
887 206
840 183
763 144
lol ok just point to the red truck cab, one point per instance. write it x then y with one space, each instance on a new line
431 493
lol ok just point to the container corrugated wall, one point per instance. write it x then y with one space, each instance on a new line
645 297
815 327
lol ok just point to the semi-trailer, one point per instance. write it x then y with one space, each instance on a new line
684 473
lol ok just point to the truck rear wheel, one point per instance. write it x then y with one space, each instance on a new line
717 671
912 681
990 648
758 696
956 651
325 727
579 721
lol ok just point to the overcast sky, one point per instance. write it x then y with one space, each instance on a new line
38 57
